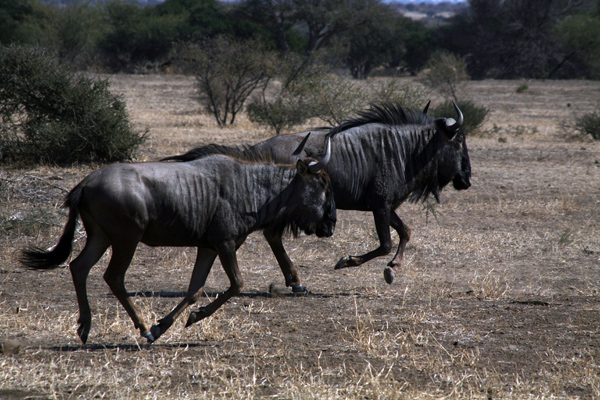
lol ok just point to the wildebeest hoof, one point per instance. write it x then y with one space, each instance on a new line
191 319
196 316
83 331
342 263
388 275
298 288
346 262
148 336
156 331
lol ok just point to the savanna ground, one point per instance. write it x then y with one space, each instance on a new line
498 296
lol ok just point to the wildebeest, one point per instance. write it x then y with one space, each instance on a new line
211 203
380 159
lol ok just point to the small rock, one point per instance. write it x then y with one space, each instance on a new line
10 347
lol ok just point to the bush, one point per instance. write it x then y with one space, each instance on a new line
51 115
338 98
290 100
312 92
474 115
446 73
588 124
523 88
408 95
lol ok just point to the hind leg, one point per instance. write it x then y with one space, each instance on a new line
204 262
382 225
80 267
226 251
123 251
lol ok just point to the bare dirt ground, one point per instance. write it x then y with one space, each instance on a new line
498 297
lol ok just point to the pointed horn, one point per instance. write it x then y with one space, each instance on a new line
452 125
317 166
426 107
300 147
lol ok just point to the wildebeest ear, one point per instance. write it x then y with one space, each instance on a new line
451 128
300 147
426 107
302 168
452 125
442 125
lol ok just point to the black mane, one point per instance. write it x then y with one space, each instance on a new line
241 153
384 113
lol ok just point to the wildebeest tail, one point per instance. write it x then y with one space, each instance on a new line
37 258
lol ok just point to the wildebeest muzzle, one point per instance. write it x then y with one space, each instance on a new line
461 182
327 224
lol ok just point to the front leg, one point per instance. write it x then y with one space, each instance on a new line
382 225
226 251
290 273
404 234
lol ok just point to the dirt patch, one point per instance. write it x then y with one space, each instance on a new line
498 296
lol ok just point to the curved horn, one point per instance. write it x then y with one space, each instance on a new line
426 107
317 166
298 150
452 125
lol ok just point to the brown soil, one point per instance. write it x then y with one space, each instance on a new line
498 296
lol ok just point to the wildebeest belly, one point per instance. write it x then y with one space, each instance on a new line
159 234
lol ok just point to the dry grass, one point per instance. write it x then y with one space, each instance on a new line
498 295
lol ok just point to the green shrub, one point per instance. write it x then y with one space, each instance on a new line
474 115
315 93
51 115
523 88
588 124
281 114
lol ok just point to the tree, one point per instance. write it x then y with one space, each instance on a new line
12 15
581 35
372 43
326 18
276 16
227 71
509 38
137 35
77 28
419 45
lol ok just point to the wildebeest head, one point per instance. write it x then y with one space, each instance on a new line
454 165
316 213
